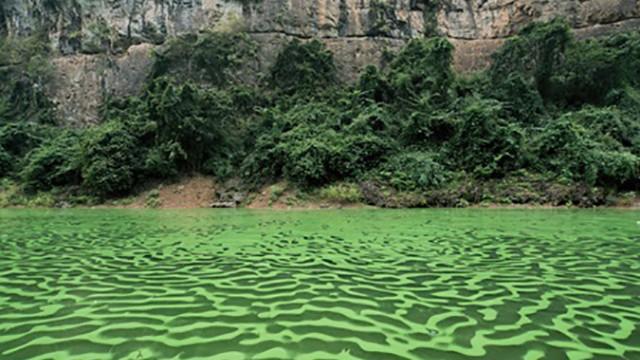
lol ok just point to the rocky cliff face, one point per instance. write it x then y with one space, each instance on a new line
103 46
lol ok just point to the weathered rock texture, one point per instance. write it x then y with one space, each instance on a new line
104 46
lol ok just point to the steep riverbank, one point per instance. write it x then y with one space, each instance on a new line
201 191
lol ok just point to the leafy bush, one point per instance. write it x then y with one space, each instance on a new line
303 67
210 56
315 157
110 162
189 119
535 53
485 143
427 126
415 170
279 132
342 193
21 137
17 139
359 153
153 199
611 123
54 163
627 46
423 66
6 162
275 192
374 86
373 119
567 148
569 72
182 127
160 161
309 155
382 18
588 73
627 98
520 98
312 145
265 162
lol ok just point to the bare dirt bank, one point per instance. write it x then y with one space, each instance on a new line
200 191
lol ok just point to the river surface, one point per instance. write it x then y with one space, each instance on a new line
333 284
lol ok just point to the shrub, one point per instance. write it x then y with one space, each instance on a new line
211 56
610 122
312 144
627 46
423 66
303 67
221 168
265 162
356 154
414 170
180 126
382 17
568 149
110 162
161 160
316 156
374 86
16 140
588 73
485 143
54 163
535 53
191 121
310 155
153 199
6 162
342 193
626 98
374 119
520 98
614 168
21 137
280 136
428 126
275 192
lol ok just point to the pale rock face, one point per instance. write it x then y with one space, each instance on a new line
154 20
104 47
81 82
489 19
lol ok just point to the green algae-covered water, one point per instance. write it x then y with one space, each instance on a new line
343 284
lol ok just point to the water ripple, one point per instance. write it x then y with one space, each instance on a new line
319 285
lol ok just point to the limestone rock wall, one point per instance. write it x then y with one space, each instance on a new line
103 47
491 19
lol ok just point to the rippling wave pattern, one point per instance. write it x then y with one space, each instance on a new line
349 284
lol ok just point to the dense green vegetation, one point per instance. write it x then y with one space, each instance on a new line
549 110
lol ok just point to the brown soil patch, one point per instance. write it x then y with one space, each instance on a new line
198 191
187 193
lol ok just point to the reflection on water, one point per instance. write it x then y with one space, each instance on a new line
351 284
